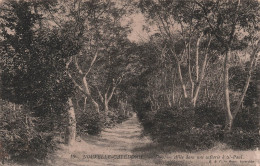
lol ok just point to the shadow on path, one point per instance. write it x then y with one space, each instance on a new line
121 145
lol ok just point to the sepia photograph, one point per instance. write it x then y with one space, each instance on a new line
129 83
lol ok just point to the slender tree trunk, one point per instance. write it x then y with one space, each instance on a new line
106 104
107 98
181 79
189 71
196 94
95 105
173 97
166 89
87 91
173 88
197 56
70 136
180 75
106 107
258 102
244 90
202 75
229 117
179 102
85 103
253 63
169 100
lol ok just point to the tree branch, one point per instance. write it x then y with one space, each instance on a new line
111 94
70 76
99 94
92 63
77 65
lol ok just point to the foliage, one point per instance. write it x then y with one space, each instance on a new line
34 77
247 119
243 139
37 75
169 122
90 122
116 116
176 127
237 82
198 138
143 109
207 114
192 41
55 50
21 138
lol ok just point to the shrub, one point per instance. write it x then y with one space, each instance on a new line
169 122
148 122
121 117
21 140
115 116
247 119
90 122
199 138
176 127
112 117
206 114
243 140
142 106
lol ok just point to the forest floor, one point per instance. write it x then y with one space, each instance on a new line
124 145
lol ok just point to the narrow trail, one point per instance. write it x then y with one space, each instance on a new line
121 145
124 145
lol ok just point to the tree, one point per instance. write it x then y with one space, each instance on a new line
35 70
185 37
102 36
227 28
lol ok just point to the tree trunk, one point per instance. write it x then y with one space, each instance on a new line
229 117
95 105
85 103
180 74
166 89
106 105
173 97
181 79
196 94
202 75
70 136
253 63
173 87
189 71
258 102
107 99
244 92
197 56
87 91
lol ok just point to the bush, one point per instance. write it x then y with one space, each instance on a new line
148 122
21 140
199 138
90 122
121 118
247 119
175 127
115 116
243 140
206 114
169 122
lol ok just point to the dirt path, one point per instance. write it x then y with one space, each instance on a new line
116 146
123 145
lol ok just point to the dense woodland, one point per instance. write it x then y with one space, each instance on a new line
69 69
